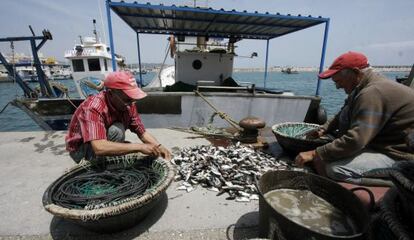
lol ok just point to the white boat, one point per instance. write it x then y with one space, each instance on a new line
60 73
90 59
203 46
4 77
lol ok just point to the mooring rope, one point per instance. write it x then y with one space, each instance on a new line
4 108
67 97
94 190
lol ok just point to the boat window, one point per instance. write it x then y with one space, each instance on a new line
106 64
197 64
78 65
94 64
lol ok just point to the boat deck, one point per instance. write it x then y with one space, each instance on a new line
30 161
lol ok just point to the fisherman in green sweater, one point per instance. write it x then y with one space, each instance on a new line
371 127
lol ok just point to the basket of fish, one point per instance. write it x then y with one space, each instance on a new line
109 199
292 137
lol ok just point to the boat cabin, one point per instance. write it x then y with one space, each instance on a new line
90 60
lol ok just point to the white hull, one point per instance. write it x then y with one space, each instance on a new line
164 110
196 112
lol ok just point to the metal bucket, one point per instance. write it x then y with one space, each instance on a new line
275 225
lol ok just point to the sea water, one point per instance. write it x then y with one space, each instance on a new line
311 211
304 83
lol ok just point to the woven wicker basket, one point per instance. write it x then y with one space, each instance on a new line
290 136
119 217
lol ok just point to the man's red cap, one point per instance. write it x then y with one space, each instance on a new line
126 82
346 60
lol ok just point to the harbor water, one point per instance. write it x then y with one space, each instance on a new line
304 83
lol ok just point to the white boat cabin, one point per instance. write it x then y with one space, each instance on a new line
90 59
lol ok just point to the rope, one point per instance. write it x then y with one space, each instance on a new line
70 101
94 190
223 115
4 108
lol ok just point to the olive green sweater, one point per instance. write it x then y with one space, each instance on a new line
380 111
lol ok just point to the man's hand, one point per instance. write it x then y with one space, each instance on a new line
147 138
164 152
150 149
305 157
316 133
156 150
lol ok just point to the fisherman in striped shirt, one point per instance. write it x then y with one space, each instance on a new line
98 125
371 128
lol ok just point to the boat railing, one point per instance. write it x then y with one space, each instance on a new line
247 88
203 84
85 53
205 47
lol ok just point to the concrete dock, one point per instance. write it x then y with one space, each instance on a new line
30 161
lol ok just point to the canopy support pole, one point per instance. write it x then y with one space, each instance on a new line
111 41
267 59
325 40
139 61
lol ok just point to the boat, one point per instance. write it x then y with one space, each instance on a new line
4 77
137 71
289 70
90 59
408 79
28 74
202 42
60 72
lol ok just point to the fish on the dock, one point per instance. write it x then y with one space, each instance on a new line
232 170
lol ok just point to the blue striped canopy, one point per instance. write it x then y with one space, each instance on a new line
188 21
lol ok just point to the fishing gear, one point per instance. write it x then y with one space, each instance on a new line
93 190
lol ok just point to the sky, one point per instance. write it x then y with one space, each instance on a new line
381 29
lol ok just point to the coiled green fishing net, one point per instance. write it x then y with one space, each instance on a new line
97 189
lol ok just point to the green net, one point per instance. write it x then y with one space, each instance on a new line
125 177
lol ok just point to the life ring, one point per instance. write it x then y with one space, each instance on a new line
173 48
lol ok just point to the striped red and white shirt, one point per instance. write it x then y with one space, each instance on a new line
94 116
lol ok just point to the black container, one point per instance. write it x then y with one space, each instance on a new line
274 225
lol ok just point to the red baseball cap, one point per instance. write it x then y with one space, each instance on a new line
346 60
126 82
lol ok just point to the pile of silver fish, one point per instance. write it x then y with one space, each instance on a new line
232 170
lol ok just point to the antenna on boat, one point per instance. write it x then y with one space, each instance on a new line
31 29
80 39
102 21
94 30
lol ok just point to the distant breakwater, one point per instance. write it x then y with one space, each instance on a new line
316 69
